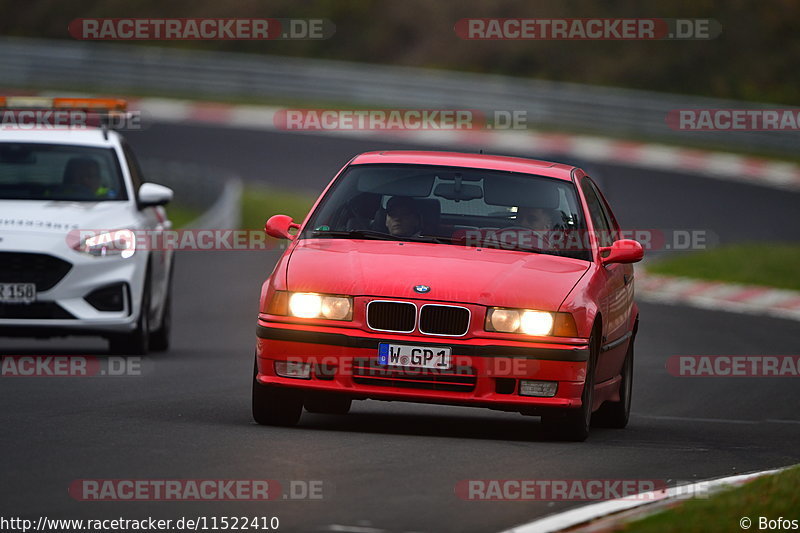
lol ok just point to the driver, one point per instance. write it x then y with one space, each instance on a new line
535 218
83 177
540 223
403 217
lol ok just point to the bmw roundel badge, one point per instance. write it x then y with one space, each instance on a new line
422 288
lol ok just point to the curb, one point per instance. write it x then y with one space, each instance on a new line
718 296
582 516
719 165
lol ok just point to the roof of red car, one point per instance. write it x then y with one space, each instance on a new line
467 160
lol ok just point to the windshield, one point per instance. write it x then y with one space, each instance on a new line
457 206
32 171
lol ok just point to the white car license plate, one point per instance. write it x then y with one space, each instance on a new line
436 357
17 293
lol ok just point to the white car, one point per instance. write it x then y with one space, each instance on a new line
54 279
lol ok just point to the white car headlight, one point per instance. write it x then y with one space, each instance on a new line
120 242
312 305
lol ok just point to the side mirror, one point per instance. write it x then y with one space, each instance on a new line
278 226
623 251
151 194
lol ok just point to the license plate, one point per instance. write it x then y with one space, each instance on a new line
17 293
436 357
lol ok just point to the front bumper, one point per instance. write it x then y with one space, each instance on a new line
488 371
61 306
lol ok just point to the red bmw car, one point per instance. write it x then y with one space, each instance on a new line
451 278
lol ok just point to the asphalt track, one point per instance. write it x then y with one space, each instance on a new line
389 466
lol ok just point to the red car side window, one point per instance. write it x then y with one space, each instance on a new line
599 221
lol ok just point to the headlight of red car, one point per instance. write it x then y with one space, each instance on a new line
530 322
311 305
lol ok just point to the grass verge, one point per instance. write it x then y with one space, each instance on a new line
769 497
181 215
768 264
261 202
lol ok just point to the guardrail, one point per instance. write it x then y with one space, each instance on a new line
98 67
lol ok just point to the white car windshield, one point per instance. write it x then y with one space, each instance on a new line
38 171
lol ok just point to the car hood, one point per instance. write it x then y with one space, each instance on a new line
38 216
454 273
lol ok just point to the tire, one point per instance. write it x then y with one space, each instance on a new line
137 342
275 406
616 414
327 404
574 424
159 339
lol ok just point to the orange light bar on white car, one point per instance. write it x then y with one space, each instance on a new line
94 104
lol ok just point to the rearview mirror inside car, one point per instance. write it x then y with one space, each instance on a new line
623 251
278 226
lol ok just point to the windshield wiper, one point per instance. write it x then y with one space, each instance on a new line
379 235
355 234
431 238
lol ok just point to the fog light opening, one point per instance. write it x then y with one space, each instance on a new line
290 369
109 298
542 389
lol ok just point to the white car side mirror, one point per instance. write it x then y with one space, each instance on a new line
151 194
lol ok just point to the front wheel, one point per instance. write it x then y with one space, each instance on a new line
574 425
159 339
137 342
616 414
275 406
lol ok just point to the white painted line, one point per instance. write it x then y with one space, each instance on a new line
585 514
778 421
353 529
704 420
